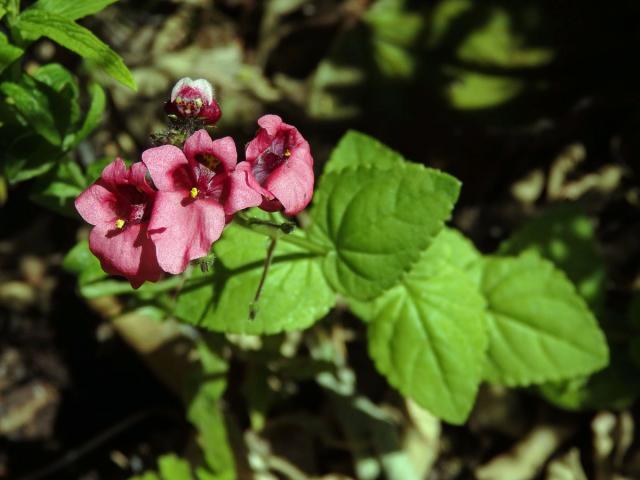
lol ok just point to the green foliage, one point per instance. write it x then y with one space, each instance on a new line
83 263
375 223
73 9
428 336
34 23
295 294
43 124
355 149
534 315
8 53
565 236
441 318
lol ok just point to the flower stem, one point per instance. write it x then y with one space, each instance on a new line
280 231
265 270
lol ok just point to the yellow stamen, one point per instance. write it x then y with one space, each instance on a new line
194 192
120 223
198 102
287 153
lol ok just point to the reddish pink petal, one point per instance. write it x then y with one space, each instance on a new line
197 144
119 251
168 167
225 150
96 205
269 127
114 173
292 184
200 143
239 195
251 179
184 229
271 123
138 177
149 268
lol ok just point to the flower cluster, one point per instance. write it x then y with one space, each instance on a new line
168 209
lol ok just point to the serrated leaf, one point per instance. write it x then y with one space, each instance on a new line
295 293
540 329
356 149
614 387
172 467
34 23
8 53
566 236
428 335
376 223
73 9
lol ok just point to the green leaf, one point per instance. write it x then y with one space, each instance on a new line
8 53
73 9
35 23
94 115
62 94
205 413
376 223
356 149
58 188
500 42
428 336
614 387
27 155
174 468
566 236
469 90
80 261
31 103
295 293
540 329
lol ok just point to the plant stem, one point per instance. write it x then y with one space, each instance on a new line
280 231
265 270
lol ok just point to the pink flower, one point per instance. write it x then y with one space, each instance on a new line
119 205
280 166
194 99
197 189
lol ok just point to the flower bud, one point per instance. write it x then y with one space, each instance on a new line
194 99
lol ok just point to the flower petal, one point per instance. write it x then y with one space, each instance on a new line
114 173
184 229
252 182
96 205
138 177
200 143
205 89
168 167
292 184
269 127
149 269
238 194
119 251
183 82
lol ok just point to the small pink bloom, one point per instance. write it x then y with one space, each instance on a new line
198 188
119 205
194 99
280 166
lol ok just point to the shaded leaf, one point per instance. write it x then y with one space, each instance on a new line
540 329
